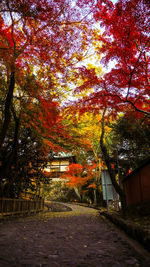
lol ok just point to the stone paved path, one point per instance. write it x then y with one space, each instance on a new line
79 238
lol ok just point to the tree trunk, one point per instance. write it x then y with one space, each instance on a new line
77 193
110 170
16 135
7 110
95 198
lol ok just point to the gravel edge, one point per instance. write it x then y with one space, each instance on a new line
135 231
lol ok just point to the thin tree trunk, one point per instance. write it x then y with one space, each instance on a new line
95 198
77 193
7 110
108 164
16 135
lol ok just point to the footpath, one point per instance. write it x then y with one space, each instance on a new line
135 225
78 236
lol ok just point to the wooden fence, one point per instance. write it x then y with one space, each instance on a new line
20 206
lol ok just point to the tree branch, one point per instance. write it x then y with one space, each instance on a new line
121 100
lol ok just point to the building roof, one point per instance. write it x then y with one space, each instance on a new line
63 156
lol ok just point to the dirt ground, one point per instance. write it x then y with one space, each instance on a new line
80 238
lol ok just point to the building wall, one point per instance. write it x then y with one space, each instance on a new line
57 166
137 186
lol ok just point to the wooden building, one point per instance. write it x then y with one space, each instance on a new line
58 165
137 185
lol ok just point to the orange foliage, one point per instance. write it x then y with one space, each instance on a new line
78 175
92 185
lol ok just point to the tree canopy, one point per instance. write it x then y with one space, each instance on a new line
73 76
124 50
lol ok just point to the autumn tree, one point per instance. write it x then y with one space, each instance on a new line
36 40
33 31
124 49
84 126
126 44
126 22
81 179
26 116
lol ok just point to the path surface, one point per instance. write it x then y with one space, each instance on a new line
78 238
